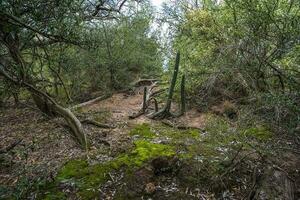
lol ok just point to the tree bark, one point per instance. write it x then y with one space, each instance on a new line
173 82
182 97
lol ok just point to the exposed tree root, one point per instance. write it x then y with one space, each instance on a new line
136 115
147 98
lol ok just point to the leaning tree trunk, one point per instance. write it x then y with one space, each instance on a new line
165 112
73 123
50 107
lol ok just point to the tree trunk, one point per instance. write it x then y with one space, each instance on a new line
165 112
73 123
173 82
182 97
145 100
48 106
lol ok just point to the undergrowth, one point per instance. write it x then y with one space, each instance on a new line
208 153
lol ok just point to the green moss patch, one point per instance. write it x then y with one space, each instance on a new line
143 152
260 132
88 178
143 130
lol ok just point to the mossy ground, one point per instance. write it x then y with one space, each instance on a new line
208 152
87 178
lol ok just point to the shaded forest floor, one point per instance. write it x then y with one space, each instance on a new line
142 158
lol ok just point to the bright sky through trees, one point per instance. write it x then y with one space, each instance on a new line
157 3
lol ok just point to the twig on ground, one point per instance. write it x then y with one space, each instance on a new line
91 101
10 147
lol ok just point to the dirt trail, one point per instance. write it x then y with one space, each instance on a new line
122 105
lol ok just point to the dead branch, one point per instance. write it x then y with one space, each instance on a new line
155 103
155 93
233 165
101 98
146 101
10 147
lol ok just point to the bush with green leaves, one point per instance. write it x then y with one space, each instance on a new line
238 50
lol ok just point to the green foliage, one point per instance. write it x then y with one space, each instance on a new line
72 54
240 49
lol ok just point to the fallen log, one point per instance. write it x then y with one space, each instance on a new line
101 98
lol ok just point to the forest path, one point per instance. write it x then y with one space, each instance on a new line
116 110
122 105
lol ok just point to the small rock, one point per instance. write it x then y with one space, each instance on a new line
150 188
